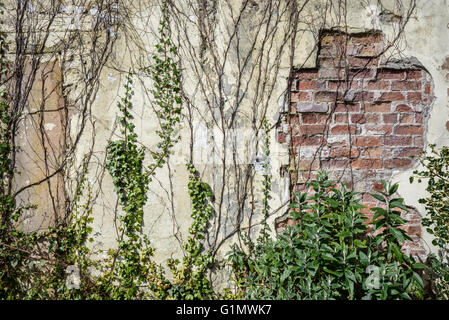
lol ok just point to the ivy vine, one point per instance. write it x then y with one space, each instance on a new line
190 279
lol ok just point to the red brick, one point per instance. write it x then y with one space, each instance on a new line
342 129
391 96
414 74
341 117
390 74
367 38
390 117
307 141
377 107
347 107
373 153
334 164
307 74
407 152
326 96
363 62
304 165
377 85
344 152
342 85
281 137
293 119
372 117
397 163
409 129
311 107
309 118
414 96
334 62
330 50
358 118
300 96
397 141
332 73
333 38
368 198
403 108
361 74
370 50
368 141
405 85
324 118
378 129
367 164
313 129
309 85
407 118
378 186
427 88
361 96
414 230
418 117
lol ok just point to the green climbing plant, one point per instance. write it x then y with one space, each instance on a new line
131 179
435 173
166 91
266 183
191 276
132 259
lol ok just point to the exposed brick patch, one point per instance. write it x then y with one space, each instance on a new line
356 118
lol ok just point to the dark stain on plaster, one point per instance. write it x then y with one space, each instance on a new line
445 65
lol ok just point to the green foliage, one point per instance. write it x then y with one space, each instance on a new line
190 279
436 173
67 244
439 275
266 183
167 90
125 164
131 266
327 254
131 179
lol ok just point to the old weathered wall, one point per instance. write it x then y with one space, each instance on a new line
357 118
238 60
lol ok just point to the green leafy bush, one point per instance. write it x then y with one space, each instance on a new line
328 253
436 173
